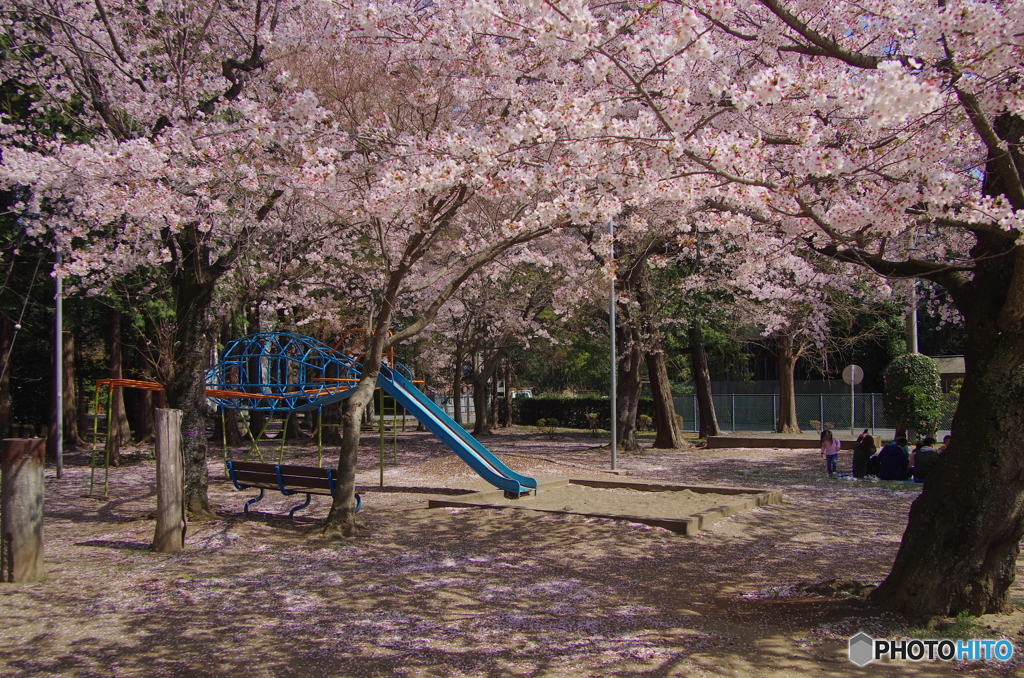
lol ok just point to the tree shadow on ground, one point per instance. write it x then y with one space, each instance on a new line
465 592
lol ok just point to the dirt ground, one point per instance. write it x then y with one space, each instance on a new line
470 592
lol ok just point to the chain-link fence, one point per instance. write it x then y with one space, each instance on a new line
760 412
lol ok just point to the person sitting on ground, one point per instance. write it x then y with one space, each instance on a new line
893 460
945 444
862 453
830 450
925 459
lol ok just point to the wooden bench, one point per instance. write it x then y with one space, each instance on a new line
287 480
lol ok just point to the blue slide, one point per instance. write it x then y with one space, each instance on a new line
469 449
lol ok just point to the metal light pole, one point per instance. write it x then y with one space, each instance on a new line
611 321
59 377
911 331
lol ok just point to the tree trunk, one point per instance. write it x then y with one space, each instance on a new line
71 434
6 338
341 520
669 433
332 417
494 396
481 404
194 283
145 424
787 422
85 398
628 394
960 548
257 419
505 413
702 383
457 386
118 420
293 433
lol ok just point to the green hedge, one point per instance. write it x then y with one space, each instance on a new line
570 412
912 394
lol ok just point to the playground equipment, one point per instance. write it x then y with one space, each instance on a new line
108 447
285 372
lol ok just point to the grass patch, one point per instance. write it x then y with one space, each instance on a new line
961 627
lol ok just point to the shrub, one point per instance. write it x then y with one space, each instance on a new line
571 412
912 394
548 425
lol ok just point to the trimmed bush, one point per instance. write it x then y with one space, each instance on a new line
912 394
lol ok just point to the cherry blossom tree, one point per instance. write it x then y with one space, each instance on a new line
216 138
421 135
883 135
188 152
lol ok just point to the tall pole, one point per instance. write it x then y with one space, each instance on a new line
611 323
58 381
912 319
853 406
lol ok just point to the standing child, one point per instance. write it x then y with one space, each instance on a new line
830 450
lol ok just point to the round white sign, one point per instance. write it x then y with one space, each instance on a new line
853 374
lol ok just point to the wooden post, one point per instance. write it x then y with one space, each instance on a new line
170 497
21 504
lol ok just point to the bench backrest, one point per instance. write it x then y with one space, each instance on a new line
284 478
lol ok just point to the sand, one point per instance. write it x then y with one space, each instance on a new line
468 592
582 499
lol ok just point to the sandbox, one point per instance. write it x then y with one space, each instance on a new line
685 509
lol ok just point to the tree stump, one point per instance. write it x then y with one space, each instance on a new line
21 506
170 496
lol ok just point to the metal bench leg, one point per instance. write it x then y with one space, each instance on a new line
359 503
301 506
253 501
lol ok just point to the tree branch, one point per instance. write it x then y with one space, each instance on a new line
828 46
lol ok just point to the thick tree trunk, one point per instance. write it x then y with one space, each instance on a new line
702 384
669 433
960 548
194 284
188 394
628 394
787 422
484 400
119 431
